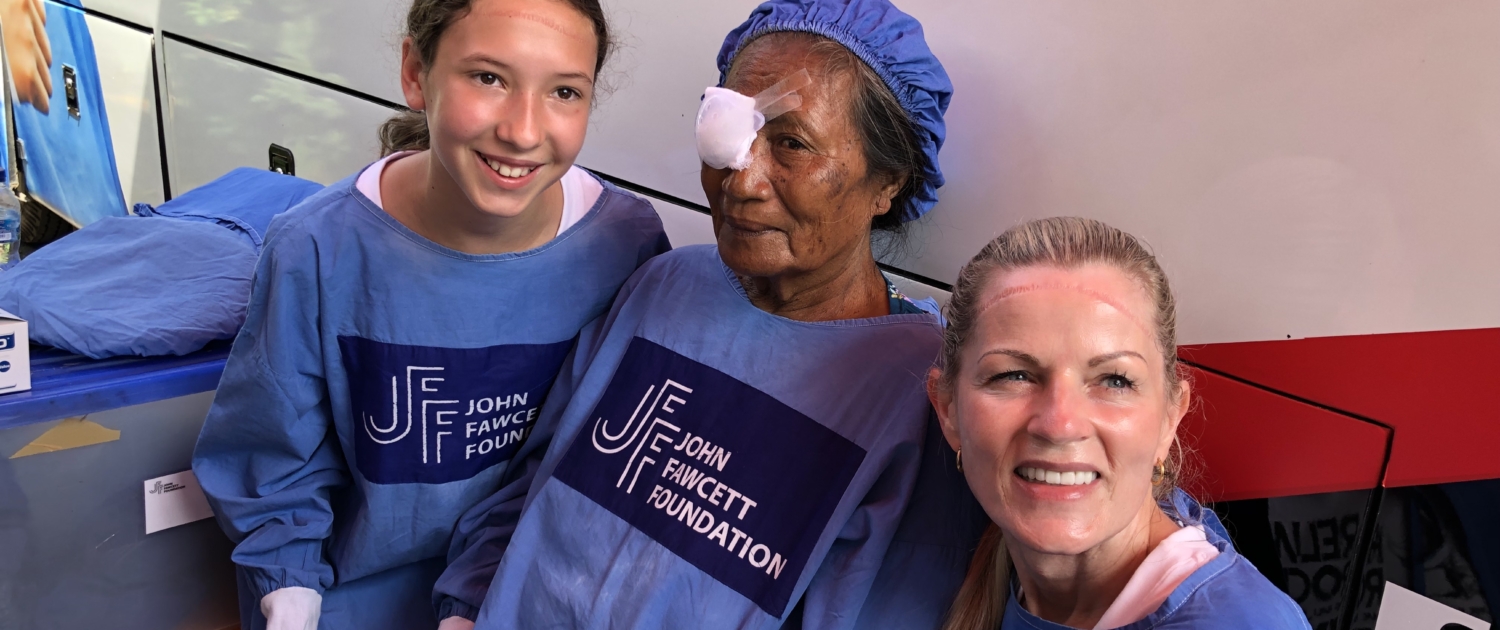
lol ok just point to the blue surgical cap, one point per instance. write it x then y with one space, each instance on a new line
891 43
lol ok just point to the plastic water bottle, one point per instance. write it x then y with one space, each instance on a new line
10 228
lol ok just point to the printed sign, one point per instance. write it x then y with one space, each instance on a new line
173 500
718 472
1401 609
436 415
1317 536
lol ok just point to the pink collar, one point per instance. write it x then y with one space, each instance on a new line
1171 562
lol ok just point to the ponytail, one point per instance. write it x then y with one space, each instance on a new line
406 131
980 604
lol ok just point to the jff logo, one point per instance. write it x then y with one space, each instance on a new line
165 487
646 430
419 383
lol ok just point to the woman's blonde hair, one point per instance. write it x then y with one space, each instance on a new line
1068 243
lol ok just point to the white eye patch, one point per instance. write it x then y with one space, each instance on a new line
728 120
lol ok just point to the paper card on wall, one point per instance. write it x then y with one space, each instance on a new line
174 500
1401 609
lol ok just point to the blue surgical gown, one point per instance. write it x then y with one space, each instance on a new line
1228 593
705 464
377 387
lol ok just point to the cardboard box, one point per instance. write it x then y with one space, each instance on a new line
15 355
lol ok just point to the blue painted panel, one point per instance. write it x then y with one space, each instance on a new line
69 158
65 385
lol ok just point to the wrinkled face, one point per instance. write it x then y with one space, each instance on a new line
806 198
1061 406
507 99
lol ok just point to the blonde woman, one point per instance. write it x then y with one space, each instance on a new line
1060 390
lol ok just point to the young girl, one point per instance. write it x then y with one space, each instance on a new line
407 322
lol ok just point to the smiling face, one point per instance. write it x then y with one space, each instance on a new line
806 200
1060 405
507 99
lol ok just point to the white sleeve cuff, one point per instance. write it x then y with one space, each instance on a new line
292 608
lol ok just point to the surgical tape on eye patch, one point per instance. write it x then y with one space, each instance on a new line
728 120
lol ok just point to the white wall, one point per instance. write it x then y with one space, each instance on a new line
1303 169
684 226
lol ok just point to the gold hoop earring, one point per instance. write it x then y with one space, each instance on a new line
1158 473
959 460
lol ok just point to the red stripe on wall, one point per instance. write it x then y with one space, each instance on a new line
1439 391
1247 443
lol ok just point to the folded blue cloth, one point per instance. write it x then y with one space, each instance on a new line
245 199
164 283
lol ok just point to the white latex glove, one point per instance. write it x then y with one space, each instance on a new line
456 623
292 608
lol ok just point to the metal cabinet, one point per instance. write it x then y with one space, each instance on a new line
222 114
142 12
126 77
74 552
351 43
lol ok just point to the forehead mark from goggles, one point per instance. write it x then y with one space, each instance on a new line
1058 286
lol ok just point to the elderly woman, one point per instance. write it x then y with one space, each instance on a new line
737 443
1060 390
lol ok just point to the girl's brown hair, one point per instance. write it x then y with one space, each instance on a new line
426 22
1068 243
